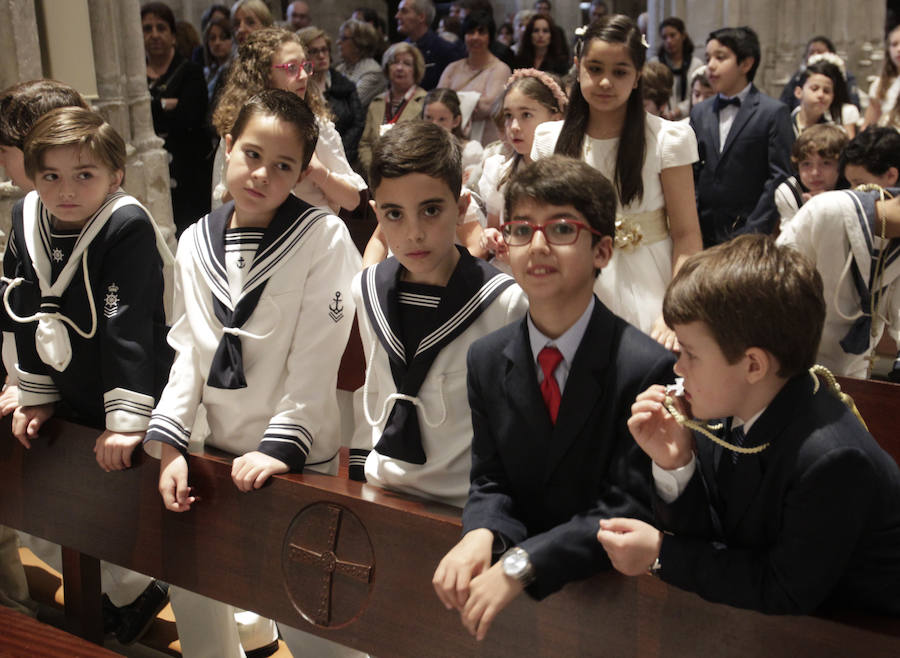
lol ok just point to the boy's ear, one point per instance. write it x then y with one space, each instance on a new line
115 180
892 174
602 250
798 92
746 64
462 205
759 364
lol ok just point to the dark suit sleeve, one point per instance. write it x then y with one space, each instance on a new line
490 504
794 571
764 217
570 551
354 130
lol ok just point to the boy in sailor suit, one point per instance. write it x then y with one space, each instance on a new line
83 296
418 313
262 315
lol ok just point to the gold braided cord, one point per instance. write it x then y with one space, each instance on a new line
705 429
876 300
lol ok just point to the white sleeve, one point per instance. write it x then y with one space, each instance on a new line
671 484
304 429
677 144
330 150
174 415
545 136
785 202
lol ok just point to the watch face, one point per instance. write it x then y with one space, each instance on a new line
516 563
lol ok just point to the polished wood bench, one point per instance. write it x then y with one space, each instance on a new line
22 636
353 563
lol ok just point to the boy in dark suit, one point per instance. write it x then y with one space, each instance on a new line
798 510
550 396
744 139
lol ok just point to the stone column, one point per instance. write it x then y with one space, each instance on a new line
125 102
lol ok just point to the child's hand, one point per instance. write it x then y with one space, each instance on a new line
657 432
492 241
470 557
113 449
173 478
489 594
9 400
632 545
251 471
661 333
27 421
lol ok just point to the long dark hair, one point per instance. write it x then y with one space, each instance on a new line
630 159
687 46
557 58
833 73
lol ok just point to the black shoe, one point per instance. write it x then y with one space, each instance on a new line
138 615
263 651
111 616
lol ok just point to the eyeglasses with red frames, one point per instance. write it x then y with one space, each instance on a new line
293 68
557 231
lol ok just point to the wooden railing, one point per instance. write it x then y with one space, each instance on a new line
353 563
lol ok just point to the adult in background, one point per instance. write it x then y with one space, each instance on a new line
404 67
541 50
338 90
500 50
520 20
818 45
372 17
218 43
414 18
357 42
298 16
178 102
248 16
481 71
677 52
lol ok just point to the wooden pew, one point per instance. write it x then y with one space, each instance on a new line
353 563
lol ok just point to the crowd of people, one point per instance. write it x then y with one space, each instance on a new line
560 233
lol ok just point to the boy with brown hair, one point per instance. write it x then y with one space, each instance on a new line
815 155
795 508
550 396
419 311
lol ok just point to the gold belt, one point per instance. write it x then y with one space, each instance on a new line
635 229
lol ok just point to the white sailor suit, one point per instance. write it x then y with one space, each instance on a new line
262 359
838 232
85 308
258 334
433 458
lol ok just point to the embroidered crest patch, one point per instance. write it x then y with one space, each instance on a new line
57 255
111 301
335 309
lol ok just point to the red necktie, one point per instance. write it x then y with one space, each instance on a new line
549 358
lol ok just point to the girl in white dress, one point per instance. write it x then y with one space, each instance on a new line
657 225
441 107
530 98
883 109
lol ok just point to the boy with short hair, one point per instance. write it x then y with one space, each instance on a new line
744 139
263 312
798 510
815 156
873 156
550 396
846 235
419 311
83 274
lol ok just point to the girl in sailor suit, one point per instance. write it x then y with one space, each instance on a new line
262 315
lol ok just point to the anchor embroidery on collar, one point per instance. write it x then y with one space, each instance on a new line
335 309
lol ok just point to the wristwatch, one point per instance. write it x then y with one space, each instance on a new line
516 564
655 567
